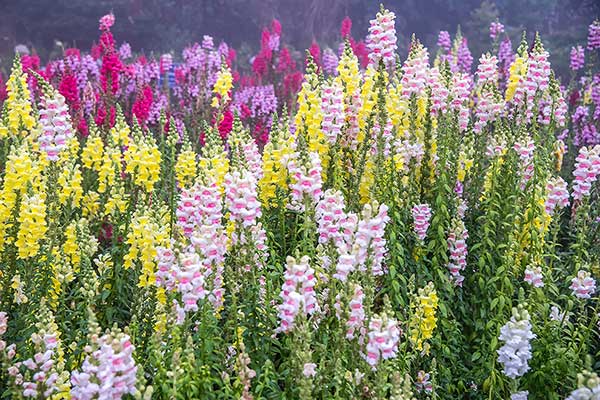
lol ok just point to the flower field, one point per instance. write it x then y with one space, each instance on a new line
342 224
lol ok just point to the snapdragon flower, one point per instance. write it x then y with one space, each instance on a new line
516 351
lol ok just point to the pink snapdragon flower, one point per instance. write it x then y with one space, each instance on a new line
583 285
421 215
384 336
558 195
381 40
297 293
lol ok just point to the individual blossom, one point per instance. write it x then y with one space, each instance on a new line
423 383
381 40
583 285
522 395
557 315
383 338
309 370
297 293
421 215
516 351
533 276
577 58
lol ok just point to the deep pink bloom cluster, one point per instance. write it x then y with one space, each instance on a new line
533 276
587 169
297 293
496 28
577 58
525 149
421 214
594 35
332 106
382 39
109 372
583 285
384 336
558 195
55 124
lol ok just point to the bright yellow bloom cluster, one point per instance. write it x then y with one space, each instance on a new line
69 182
397 107
70 247
518 69
119 133
310 116
348 72
18 103
146 233
32 225
215 168
91 204
423 319
222 86
274 171
91 156
117 201
143 162
186 168
368 97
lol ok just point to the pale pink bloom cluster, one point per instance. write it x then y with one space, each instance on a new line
332 105
356 318
489 106
306 179
330 214
381 40
189 280
487 70
3 327
439 91
461 89
109 372
297 292
421 214
561 110
408 151
309 370
241 198
533 276
415 72
587 169
41 365
384 336
387 135
496 28
525 149
253 157
210 241
107 21
558 195
55 125
583 285
369 239
457 246
537 78
199 205
353 106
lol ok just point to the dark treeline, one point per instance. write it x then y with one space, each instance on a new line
164 25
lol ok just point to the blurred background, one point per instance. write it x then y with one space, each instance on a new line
169 25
